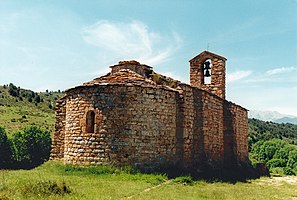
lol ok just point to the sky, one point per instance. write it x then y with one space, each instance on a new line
59 44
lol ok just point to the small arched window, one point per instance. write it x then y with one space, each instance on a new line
90 123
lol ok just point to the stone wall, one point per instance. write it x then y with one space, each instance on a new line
235 133
57 151
212 127
133 125
149 126
202 126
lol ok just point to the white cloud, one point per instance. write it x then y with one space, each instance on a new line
281 70
132 40
237 75
276 75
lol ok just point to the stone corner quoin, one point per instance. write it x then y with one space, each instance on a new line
135 116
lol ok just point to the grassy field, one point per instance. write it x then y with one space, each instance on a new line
54 180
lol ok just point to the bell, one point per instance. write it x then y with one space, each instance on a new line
206 65
207 74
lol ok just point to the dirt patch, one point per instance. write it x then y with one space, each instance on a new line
149 189
277 181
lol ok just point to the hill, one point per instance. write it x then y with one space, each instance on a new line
261 130
291 120
21 107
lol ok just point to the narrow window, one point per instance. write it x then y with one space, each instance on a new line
90 122
207 71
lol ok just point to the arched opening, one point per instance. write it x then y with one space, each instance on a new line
207 71
90 123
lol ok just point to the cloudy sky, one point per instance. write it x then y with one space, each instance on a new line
57 44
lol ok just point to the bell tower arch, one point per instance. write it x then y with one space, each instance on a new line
208 72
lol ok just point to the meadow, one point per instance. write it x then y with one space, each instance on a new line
54 180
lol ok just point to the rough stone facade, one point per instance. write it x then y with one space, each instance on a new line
134 116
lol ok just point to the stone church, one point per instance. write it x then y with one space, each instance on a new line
137 117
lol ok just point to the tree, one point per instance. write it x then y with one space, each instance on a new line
278 154
265 150
5 150
32 147
13 90
37 99
283 153
292 159
276 162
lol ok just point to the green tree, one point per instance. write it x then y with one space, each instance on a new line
37 99
5 150
292 159
283 153
276 162
13 90
31 147
265 150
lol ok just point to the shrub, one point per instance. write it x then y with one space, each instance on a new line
5 150
276 162
37 99
265 150
288 171
31 147
13 90
276 153
292 159
277 170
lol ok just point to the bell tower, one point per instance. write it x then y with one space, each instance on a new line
208 72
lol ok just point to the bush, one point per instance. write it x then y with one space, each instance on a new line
277 154
13 90
31 147
37 99
265 150
292 159
5 150
276 162
277 170
288 171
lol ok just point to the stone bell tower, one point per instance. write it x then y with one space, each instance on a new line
208 72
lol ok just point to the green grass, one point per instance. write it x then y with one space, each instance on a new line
53 180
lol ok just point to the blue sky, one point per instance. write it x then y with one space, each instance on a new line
57 44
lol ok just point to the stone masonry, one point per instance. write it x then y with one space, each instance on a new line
134 116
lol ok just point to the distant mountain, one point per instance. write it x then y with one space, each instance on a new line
273 116
287 120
